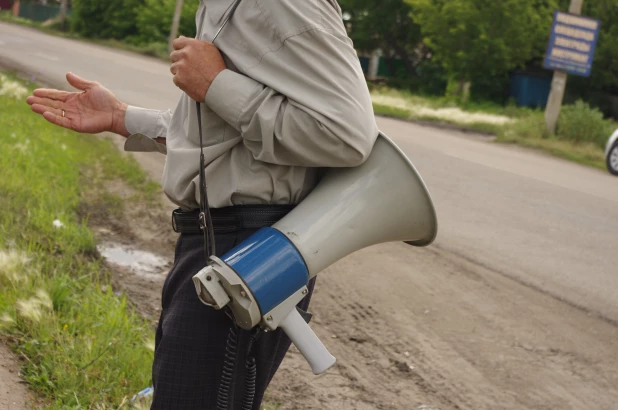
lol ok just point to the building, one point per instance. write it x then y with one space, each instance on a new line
6 4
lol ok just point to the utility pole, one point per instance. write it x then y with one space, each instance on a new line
175 24
63 12
558 85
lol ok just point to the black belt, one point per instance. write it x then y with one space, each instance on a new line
230 219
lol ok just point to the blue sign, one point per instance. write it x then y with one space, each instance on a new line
572 43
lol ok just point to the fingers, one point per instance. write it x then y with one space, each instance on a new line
41 109
52 94
177 82
47 102
47 108
177 55
57 119
174 68
181 42
79 83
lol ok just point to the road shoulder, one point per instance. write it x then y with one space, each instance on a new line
13 392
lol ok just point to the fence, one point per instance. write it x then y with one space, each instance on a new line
38 12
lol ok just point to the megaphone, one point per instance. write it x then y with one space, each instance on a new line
262 279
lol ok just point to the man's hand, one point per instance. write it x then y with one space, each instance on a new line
195 64
93 110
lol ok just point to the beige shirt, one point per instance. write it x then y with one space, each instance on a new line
293 99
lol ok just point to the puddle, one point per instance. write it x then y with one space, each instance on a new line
141 263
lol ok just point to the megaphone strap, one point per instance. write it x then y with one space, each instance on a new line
205 219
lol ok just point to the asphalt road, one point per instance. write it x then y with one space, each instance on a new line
542 222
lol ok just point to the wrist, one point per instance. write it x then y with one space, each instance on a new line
118 119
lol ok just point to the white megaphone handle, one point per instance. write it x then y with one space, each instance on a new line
307 342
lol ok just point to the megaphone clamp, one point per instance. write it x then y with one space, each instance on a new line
262 279
261 293
217 281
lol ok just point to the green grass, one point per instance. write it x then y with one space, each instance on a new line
400 113
389 111
81 345
529 132
157 49
488 117
436 102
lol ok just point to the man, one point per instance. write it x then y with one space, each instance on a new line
282 94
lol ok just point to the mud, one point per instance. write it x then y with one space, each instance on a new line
140 263
135 242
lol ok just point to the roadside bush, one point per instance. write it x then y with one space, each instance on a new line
429 79
531 127
111 19
157 49
154 20
580 122
58 26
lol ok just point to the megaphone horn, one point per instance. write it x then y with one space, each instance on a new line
383 200
263 278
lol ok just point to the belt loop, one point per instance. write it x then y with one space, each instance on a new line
174 223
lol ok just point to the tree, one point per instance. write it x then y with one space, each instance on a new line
385 25
605 66
477 38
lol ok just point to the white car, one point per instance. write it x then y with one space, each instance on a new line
611 153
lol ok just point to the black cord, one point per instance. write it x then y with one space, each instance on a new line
229 364
250 373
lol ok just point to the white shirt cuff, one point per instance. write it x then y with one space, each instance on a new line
143 125
143 143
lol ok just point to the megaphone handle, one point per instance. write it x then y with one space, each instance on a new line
307 342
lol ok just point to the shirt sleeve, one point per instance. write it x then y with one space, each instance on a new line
305 104
144 126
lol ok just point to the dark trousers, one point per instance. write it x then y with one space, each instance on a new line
190 342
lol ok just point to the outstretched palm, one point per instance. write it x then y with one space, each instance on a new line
94 109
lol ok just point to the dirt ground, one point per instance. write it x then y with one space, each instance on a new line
414 328
13 391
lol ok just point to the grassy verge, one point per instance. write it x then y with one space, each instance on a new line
158 50
510 124
528 132
81 346
486 118
401 113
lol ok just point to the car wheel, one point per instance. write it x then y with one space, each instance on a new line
612 159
